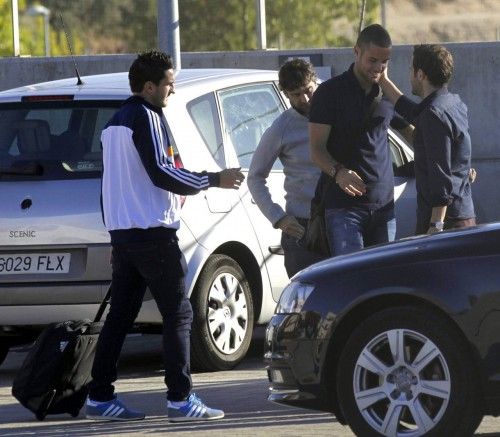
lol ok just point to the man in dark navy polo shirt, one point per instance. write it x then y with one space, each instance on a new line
348 126
442 143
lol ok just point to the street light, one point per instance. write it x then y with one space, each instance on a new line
35 11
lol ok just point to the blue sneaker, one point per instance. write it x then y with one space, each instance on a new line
193 410
111 410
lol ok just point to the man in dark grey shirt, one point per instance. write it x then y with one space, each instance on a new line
441 142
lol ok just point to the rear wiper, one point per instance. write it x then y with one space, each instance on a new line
23 168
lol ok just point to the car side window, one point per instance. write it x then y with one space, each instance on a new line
402 159
203 112
247 111
396 155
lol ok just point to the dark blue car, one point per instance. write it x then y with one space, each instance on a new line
402 339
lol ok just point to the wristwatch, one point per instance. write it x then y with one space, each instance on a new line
335 168
438 225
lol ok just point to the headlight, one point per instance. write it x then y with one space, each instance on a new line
294 297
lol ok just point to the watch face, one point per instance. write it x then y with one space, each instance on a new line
437 225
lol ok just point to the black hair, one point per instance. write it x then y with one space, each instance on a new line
296 73
374 34
149 66
435 61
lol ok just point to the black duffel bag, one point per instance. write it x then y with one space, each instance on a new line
55 374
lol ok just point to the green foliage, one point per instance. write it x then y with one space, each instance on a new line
290 23
111 26
212 25
127 26
31 32
6 41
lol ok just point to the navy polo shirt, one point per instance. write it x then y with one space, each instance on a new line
358 142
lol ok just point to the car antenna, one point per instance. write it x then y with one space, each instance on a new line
79 81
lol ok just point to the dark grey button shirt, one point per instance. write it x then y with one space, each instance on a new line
442 152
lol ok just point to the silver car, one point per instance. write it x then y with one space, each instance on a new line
54 249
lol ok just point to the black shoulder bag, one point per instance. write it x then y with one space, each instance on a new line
315 238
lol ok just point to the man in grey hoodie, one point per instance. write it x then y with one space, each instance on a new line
287 139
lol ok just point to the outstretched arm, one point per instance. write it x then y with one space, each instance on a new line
391 91
231 178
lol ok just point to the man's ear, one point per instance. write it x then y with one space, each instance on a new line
420 75
148 86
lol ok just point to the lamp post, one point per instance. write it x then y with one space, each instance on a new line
168 30
260 6
35 11
15 27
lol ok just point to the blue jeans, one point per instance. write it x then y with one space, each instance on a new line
351 229
160 266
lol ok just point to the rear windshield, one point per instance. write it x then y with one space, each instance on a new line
52 140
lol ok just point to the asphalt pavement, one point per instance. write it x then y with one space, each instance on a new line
241 393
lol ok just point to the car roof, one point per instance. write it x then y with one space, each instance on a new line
116 86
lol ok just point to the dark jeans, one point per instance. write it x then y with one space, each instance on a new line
297 257
351 229
160 266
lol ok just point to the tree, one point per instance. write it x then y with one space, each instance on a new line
362 11
127 26
6 41
290 23
31 32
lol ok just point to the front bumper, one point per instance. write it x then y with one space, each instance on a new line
293 354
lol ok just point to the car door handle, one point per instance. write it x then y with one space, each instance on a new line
276 250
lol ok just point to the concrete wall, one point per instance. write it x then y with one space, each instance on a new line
476 74
476 80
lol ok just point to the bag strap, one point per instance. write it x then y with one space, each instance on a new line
326 187
376 100
103 305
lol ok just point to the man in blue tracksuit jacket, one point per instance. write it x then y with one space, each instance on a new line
141 190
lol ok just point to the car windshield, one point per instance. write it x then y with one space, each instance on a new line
52 140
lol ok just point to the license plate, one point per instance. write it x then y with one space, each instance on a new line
23 263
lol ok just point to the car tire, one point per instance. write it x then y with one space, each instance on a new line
223 315
407 371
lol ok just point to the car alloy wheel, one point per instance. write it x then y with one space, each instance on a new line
407 372
401 378
227 313
223 315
